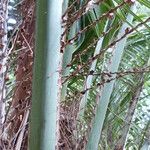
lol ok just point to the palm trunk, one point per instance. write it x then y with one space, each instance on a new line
88 83
98 122
46 76
3 61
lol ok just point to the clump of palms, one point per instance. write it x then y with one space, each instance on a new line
91 76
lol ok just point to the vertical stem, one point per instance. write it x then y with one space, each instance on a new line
88 82
70 48
102 106
3 58
46 76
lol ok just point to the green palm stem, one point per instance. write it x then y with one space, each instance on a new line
66 60
46 76
98 121
89 80
69 50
